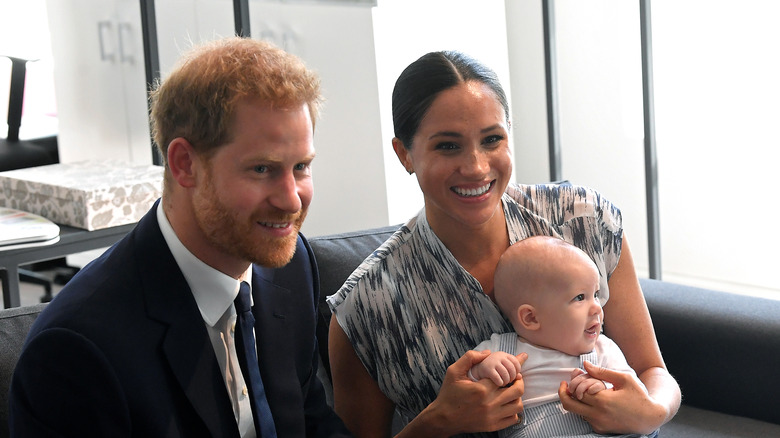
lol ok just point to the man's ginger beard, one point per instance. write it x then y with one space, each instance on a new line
234 236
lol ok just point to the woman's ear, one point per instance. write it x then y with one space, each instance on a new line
181 161
526 315
403 155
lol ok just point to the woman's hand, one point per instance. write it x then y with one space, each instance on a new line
467 406
582 382
626 408
627 322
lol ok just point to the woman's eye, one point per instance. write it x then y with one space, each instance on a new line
493 139
448 146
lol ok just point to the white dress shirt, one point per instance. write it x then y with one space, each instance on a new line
214 293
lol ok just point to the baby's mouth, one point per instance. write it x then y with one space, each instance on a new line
594 329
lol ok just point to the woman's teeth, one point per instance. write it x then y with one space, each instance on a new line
472 192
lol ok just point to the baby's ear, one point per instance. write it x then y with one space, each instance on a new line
526 314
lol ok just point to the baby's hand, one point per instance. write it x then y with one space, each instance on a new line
581 382
502 368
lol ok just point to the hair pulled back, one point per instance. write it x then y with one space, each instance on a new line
422 81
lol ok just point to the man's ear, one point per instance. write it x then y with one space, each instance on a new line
181 162
403 155
526 315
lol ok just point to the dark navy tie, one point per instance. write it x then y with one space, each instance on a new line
247 358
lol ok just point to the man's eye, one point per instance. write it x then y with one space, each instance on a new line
261 169
301 166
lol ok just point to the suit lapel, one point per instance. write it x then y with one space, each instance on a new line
270 311
284 327
277 283
186 345
192 361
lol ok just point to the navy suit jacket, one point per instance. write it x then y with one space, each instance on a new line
122 351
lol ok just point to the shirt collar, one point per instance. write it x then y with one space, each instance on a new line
213 290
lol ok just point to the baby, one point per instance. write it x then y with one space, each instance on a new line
549 290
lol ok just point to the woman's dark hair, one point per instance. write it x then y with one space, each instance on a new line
422 81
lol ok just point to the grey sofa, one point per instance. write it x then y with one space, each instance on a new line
724 349
14 325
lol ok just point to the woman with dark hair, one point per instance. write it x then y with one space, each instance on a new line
406 319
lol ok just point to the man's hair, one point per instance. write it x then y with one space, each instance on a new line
197 100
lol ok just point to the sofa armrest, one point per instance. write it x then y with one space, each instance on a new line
723 348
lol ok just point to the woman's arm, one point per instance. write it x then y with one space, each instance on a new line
356 396
461 405
627 321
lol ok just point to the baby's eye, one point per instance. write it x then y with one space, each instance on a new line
580 297
597 294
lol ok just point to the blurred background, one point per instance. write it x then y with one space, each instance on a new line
716 94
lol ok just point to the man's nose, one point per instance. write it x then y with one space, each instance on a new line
286 196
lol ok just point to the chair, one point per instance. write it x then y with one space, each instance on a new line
19 154
16 153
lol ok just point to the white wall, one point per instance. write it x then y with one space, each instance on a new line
716 94
717 70
525 52
183 23
600 102
337 42
404 30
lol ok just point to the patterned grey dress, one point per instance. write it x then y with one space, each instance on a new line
411 310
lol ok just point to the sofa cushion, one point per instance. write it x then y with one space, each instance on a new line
691 422
14 325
